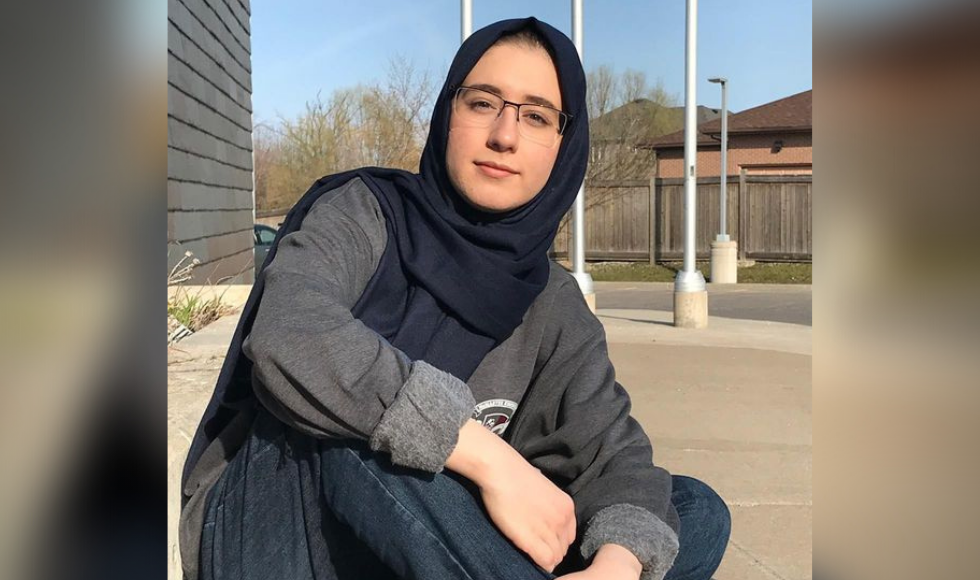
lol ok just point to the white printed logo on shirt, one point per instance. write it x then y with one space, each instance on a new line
495 414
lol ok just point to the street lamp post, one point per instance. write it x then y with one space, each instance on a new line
723 234
724 252
690 293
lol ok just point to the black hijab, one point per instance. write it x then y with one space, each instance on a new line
453 282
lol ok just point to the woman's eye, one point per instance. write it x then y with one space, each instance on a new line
485 105
537 119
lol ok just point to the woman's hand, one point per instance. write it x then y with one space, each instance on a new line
611 562
525 506
531 511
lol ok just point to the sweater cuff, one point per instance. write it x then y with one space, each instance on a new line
421 427
652 541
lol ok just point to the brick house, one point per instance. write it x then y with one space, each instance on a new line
772 139
616 136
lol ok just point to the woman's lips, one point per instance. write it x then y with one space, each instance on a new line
495 172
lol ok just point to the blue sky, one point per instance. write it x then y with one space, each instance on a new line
300 48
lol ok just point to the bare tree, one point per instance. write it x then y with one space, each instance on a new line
658 94
307 146
264 155
412 90
624 112
601 89
637 113
632 85
377 124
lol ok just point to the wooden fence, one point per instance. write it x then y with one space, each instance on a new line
770 216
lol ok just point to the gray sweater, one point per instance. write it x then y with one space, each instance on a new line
549 390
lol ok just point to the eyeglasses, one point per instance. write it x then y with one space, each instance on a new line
538 123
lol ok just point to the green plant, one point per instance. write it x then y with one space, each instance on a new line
187 311
194 312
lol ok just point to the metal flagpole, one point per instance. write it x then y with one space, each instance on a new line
578 221
690 291
466 19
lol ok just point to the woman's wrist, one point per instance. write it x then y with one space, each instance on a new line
477 451
615 561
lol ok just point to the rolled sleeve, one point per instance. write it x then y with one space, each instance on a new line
652 541
421 427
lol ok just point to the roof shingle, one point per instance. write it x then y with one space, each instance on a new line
790 114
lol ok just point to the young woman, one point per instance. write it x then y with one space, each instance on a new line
423 394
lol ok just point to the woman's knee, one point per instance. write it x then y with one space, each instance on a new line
705 508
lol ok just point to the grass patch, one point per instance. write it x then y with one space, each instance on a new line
628 272
760 273
194 312
777 273
189 312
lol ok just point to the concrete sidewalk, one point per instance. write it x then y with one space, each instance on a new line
729 404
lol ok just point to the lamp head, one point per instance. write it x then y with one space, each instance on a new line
721 80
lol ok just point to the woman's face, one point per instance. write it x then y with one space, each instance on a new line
520 75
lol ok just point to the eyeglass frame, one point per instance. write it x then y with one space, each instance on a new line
562 115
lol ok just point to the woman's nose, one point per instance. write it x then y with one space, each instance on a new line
504 133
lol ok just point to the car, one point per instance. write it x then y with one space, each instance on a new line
263 236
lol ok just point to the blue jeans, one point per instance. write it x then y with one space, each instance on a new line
289 507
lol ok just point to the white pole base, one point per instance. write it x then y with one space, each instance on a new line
724 262
691 309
